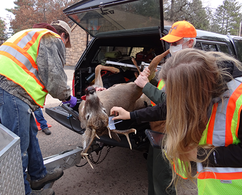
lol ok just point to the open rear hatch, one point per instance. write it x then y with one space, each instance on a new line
108 15
105 16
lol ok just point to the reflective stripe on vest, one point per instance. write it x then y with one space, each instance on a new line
181 171
222 130
160 86
18 62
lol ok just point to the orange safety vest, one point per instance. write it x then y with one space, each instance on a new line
18 62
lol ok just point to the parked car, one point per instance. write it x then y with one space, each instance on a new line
123 29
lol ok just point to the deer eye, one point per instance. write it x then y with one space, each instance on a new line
104 110
87 117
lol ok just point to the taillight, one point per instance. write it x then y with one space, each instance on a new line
73 85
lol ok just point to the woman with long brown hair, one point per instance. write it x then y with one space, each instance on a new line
203 120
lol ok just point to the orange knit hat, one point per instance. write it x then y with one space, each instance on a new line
179 30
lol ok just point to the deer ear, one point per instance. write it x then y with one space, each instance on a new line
83 123
82 115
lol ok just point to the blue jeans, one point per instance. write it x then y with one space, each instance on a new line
40 118
17 116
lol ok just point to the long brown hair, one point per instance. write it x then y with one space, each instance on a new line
192 79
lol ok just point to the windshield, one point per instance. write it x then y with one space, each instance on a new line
132 15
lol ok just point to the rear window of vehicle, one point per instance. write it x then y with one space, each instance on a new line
209 47
213 46
123 54
198 45
238 45
131 15
224 48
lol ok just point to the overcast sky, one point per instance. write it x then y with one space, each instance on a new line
3 13
9 4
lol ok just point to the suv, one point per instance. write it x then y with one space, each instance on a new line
123 29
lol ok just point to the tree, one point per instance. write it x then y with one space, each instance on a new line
2 30
192 11
24 15
227 18
29 12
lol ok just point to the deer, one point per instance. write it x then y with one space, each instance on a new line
94 109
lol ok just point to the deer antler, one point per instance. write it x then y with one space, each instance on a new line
126 133
89 140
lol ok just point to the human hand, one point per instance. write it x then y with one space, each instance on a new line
141 81
146 72
72 101
119 113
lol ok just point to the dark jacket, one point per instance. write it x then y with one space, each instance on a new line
229 156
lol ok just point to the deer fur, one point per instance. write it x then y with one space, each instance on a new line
95 110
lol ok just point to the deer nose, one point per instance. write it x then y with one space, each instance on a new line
90 90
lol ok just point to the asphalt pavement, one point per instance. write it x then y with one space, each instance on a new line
123 171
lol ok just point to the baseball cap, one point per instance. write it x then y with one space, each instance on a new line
66 27
179 30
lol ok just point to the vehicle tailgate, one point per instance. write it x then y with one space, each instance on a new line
65 116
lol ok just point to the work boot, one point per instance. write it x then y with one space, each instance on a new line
43 192
50 177
46 131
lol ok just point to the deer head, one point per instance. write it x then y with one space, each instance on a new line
93 116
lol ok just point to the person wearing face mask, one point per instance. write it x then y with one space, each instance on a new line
181 35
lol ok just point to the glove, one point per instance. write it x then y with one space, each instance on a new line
72 101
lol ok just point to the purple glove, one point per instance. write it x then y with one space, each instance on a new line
72 101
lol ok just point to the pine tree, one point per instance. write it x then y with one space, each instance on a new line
2 30
227 18
192 11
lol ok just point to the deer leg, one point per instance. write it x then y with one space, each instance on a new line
126 133
136 75
135 63
98 69
155 62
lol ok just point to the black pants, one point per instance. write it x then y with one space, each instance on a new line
159 173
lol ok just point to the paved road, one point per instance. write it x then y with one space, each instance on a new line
123 172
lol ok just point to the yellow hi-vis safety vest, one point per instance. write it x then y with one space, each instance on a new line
160 86
222 130
18 62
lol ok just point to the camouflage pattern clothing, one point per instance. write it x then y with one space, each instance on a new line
50 62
